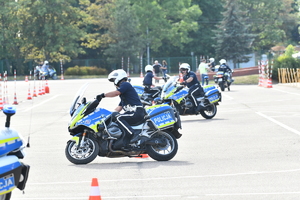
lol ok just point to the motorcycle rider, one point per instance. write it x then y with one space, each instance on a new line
195 89
147 82
212 64
226 69
130 102
45 69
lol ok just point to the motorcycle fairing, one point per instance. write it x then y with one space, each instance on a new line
139 89
9 141
161 115
179 95
10 169
93 119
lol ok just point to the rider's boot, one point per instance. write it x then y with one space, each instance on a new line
200 106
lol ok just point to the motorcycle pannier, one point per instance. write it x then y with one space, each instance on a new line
212 93
161 115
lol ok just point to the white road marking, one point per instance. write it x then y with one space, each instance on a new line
40 103
279 123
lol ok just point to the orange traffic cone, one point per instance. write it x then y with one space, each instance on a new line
34 92
29 95
269 83
15 100
95 191
47 90
143 155
141 75
180 78
26 78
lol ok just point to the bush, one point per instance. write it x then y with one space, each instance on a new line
83 71
284 61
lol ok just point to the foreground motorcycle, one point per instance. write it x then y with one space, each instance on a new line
13 173
177 96
95 133
223 80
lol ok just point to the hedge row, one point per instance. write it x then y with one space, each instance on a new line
85 71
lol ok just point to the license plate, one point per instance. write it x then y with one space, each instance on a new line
220 79
7 183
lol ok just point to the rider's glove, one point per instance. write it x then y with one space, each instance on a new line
165 79
183 83
100 96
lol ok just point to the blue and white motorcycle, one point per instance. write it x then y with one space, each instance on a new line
95 133
13 173
177 96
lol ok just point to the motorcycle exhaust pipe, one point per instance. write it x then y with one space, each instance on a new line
119 151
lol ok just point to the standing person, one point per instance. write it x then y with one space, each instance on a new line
156 66
164 68
129 102
203 69
191 81
212 64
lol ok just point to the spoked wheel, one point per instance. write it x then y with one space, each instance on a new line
5 196
82 155
163 152
209 112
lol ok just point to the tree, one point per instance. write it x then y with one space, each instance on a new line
166 23
233 38
272 21
124 33
50 29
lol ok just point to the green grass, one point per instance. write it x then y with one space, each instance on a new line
246 80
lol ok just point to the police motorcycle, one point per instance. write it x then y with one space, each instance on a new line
146 98
13 173
223 80
95 133
176 95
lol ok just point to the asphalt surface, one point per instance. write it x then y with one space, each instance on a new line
248 151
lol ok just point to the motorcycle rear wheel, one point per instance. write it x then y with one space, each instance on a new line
209 112
5 196
82 155
163 153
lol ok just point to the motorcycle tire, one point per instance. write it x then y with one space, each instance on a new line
5 196
163 153
209 112
222 86
83 155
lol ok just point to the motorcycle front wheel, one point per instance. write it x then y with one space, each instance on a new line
82 155
163 152
209 112
5 196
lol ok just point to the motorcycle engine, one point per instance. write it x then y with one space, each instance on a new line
114 130
188 104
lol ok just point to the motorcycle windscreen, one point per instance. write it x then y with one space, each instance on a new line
78 97
162 115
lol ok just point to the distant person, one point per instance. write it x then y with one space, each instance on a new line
203 70
212 64
164 68
156 66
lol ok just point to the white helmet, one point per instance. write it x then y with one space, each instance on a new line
117 76
148 68
185 66
212 60
46 62
222 61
